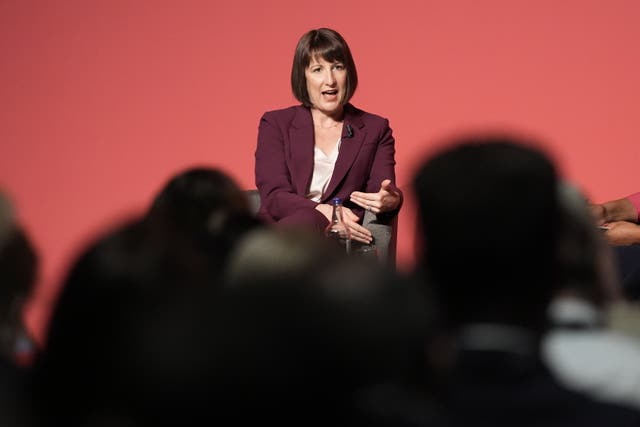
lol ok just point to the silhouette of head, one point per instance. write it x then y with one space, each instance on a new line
487 213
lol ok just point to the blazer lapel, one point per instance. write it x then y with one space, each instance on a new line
349 149
301 139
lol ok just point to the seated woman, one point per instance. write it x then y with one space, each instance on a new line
308 154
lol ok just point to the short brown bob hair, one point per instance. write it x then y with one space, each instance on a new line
329 45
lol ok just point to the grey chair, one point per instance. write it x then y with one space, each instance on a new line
384 230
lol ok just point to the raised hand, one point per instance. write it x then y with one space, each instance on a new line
385 200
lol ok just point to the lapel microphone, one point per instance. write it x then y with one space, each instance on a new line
349 131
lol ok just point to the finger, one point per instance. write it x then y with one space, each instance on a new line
359 201
373 207
374 201
364 205
361 234
361 231
363 198
362 239
355 227
385 185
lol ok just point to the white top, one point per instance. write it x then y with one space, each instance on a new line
594 360
322 171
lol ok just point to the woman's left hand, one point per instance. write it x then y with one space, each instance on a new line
385 200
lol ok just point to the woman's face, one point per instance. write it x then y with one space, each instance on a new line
326 83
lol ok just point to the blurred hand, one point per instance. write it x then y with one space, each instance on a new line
385 200
622 233
599 213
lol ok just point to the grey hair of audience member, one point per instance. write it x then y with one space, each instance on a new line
586 264
269 254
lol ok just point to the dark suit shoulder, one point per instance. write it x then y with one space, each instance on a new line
285 115
299 115
368 119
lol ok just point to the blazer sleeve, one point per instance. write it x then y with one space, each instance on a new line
273 174
383 166
635 201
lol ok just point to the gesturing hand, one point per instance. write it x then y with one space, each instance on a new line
385 200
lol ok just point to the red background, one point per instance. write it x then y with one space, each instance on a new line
101 101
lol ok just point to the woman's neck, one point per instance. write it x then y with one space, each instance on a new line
327 121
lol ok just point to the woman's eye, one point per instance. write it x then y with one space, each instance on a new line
338 67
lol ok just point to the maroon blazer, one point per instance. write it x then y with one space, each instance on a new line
284 159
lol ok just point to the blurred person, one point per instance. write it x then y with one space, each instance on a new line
315 338
325 148
119 347
619 219
139 339
267 255
489 238
18 271
582 351
205 205
125 335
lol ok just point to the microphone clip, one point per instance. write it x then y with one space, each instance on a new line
349 131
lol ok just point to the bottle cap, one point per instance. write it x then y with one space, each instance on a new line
336 201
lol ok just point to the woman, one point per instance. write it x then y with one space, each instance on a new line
325 148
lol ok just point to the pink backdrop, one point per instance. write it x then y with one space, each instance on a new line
102 100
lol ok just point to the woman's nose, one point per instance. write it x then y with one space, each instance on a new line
330 79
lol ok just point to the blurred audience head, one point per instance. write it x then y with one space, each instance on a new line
118 336
18 271
488 220
201 198
205 205
269 255
291 344
137 340
586 264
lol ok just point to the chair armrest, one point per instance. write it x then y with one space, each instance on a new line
384 230
253 198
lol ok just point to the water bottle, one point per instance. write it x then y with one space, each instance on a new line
337 231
